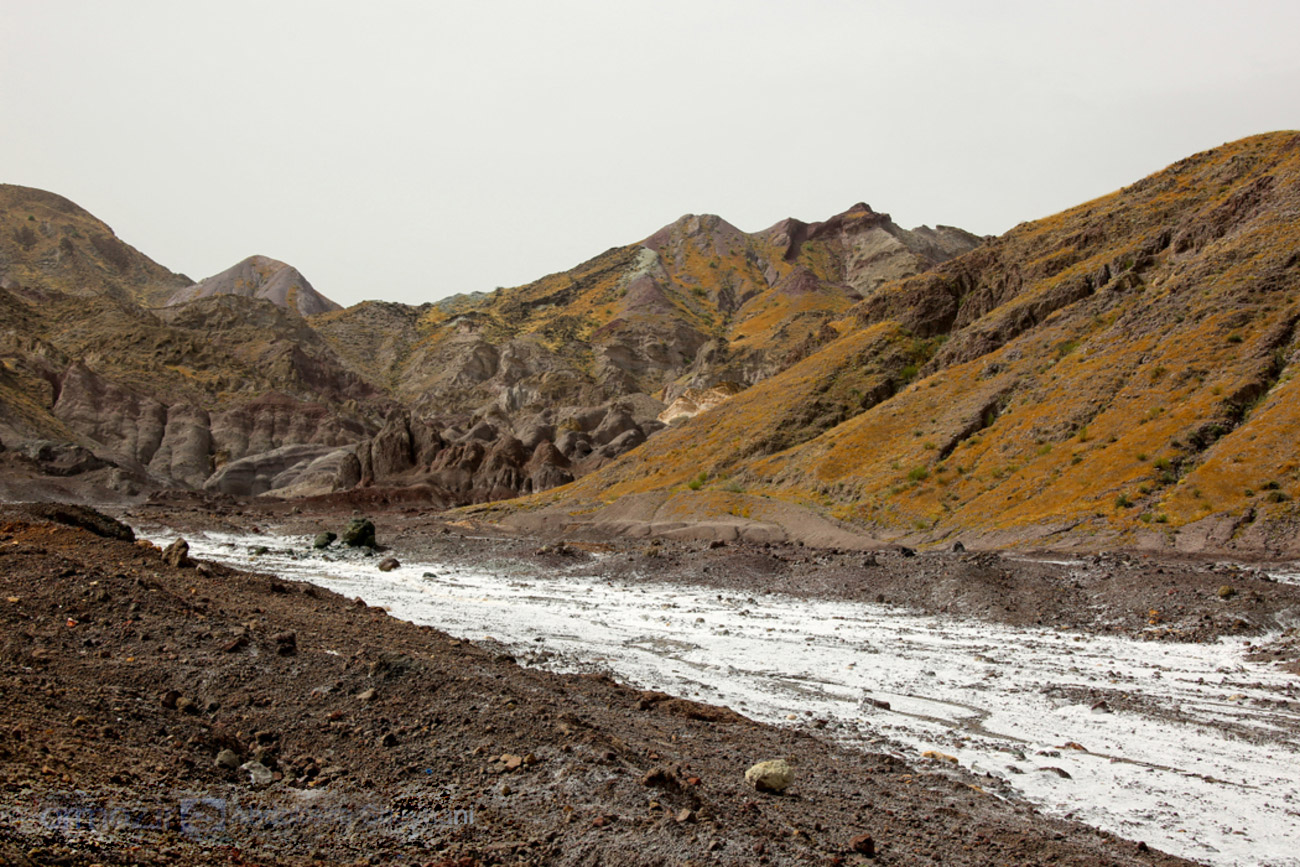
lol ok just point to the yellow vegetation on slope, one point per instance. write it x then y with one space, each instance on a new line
1123 367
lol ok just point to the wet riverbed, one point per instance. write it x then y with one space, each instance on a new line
1187 746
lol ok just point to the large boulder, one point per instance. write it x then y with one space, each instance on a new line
177 554
774 775
63 459
264 471
336 470
360 533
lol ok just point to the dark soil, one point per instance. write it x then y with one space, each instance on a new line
125 678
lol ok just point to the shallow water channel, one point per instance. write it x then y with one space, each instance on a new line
1188 747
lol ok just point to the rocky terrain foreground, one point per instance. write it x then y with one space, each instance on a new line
164 711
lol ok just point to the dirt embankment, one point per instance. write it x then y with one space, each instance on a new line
194 714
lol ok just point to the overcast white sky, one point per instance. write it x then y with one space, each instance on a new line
411 150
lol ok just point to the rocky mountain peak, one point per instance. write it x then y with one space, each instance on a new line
261 277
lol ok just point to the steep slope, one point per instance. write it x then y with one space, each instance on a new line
1122 371
547 381
47 241
264 278
205 394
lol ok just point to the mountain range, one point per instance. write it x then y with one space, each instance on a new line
1120 373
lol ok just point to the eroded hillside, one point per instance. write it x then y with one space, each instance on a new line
1120 372
121 377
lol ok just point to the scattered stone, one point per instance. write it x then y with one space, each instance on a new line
323 540
684 815
1060 772
1227 591
177 554
512 762
388 564
1101 707
286 643
227 759
388 740
236 644
360 533
770 776
957 548
869 561
366 695
863 845
258 774
937 756
186 705
657 778
169 699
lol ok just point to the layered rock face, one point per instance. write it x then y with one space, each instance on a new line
493 459
250 382
530 387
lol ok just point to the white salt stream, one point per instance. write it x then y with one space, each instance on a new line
1199 753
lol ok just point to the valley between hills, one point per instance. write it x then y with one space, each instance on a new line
1083 427
1119 374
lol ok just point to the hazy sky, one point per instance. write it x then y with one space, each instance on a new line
412 150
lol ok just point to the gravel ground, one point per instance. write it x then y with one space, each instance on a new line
180 714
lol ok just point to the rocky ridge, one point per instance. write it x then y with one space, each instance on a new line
250 382
1118 374
261 277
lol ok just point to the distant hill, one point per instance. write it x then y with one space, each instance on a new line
260 277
